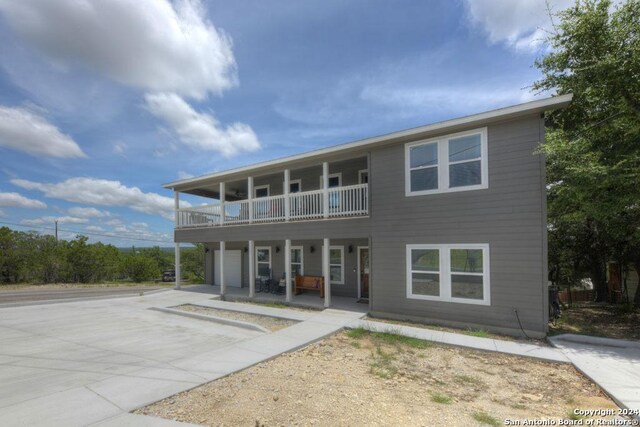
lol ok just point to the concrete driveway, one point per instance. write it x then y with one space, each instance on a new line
84 362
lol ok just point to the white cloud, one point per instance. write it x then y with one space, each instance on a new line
102 192
140 230
49 220
201 130
521 25
184 175
451 100
24 130
95 228
149 44
88 212
119 148
15 200
2 213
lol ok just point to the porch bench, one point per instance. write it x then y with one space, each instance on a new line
310 283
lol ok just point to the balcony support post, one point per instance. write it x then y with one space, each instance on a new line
250 197
326 272
287 187
223 284
176 206
325 189
222 210
287 268
177 266
252 269
176 202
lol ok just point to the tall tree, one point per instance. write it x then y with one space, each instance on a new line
593 146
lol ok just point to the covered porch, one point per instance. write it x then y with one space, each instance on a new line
307 300
311 272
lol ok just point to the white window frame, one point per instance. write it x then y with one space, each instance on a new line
258 248
445 273
332 175
260 187
342 273
362 172
294 181
301 249
443 163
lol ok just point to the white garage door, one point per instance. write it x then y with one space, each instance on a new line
232 268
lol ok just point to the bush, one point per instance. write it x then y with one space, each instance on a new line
139 267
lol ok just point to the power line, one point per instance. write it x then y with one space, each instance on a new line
117 236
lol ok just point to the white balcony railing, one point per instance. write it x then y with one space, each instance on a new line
308 205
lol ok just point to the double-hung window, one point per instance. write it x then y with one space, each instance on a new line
450 163
336 264
453 273
263 262
297 261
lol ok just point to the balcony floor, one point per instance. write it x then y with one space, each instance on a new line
304 300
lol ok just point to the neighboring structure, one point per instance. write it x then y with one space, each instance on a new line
444 223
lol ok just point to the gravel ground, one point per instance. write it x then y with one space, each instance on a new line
271 323
359 378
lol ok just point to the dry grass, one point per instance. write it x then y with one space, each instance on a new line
364 378
602 320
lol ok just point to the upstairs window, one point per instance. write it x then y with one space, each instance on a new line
450 163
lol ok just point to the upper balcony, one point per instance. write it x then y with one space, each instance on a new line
338 189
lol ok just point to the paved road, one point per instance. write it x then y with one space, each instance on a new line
26 296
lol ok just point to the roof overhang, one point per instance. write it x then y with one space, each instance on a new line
528 108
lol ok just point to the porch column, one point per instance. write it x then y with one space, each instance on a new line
250 197
326 272
222 210
325 188
176 208
287 268
287 187
176 202
252 269
177 266
223 284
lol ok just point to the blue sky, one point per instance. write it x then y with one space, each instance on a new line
102 101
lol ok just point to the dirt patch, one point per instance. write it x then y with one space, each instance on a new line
275 305
482 333
602 320
271 323
363 378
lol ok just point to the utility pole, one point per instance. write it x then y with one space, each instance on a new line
56 222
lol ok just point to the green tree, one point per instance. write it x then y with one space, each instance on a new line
593 146
192 260
139 267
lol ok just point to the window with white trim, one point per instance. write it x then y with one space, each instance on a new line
453 273
263 262
336 264
455 162
297 261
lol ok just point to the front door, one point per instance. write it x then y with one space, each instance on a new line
363 272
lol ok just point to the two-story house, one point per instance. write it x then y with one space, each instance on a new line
444 223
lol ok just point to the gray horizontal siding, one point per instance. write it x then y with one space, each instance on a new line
331 228
509 215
